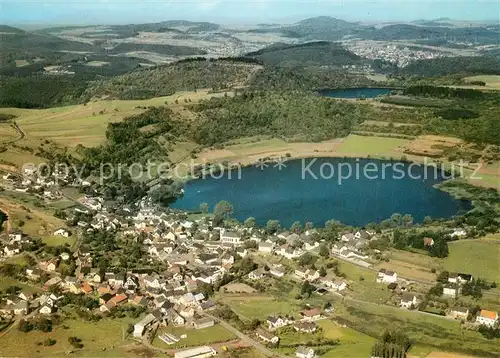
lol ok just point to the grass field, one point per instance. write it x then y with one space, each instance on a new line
195 337
374 146
492 82
86 124
352 343
261 307
36 222
100 339
7 133
412 265
6 282
480 257
17 157
439 333
59 240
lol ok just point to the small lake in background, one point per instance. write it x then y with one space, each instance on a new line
287 195
355 92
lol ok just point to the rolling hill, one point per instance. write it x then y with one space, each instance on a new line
320 53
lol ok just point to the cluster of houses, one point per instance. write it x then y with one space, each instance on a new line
44 186
23 303
195 253
455 282
16 243
350 245
304 325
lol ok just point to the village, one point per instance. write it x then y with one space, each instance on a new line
177 265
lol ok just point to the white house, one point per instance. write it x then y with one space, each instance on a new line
304 352
409 300
487 318
46 309
11 250
386 276
266 247
459 278
459 312
458 232
334 284
289 252
62 232
277 321
257 274
347 237
277 271
306 274
230 237
451 290
143 324
267 336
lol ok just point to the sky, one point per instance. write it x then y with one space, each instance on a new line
237 12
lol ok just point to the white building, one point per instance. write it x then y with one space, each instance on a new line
198 352
451 290
141 326
266 247
487 318
386 276
304 352
408 300
230 237
62 232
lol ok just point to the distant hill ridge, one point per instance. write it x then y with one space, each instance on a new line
316 52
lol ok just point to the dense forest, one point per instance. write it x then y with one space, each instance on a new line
40 91
292 115
320 53
443 66
307 79
166 80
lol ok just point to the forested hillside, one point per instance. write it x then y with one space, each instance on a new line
307 79
293 115
166 80
26 45
452 65
40 91
320 53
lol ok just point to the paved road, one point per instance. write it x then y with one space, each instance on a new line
260 347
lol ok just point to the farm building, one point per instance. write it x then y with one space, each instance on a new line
140 327
198 352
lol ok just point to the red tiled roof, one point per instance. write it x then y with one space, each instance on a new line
86 287
488 314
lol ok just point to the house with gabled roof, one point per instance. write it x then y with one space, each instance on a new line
275 322
266 247
458 312
266 336
386 276
277 271
305 327
459 278
311 315
304 352
487 318
409 300
257 274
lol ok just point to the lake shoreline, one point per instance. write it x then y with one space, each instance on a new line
286 194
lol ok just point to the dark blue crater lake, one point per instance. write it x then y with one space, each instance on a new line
308 190
355 92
